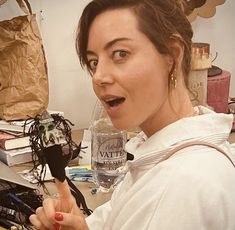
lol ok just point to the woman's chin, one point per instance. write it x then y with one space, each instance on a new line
123 125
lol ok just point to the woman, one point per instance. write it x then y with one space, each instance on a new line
138 55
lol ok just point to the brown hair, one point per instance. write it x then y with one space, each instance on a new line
159 20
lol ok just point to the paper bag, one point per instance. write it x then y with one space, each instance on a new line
23 70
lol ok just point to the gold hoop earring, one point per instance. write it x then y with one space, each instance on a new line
173 79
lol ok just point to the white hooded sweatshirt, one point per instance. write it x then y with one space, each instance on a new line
192 190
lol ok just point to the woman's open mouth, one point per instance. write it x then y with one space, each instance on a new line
112 102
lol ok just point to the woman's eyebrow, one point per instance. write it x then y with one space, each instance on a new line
114 41
109 44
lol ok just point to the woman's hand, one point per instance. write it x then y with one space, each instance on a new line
62 213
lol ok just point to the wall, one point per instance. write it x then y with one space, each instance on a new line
70 86
219 32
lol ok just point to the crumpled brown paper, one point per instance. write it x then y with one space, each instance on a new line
23 71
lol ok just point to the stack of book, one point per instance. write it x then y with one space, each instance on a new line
14 144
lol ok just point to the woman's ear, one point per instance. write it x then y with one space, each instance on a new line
176 49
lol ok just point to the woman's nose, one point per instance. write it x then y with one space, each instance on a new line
103 75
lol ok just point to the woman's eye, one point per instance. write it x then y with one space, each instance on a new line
93 64
120 54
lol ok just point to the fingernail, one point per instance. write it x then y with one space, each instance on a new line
58 216
57 226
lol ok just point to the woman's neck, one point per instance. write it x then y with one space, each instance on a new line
177 106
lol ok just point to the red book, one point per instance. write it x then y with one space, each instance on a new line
9 141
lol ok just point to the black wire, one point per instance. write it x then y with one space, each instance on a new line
79 196
216 55
13 189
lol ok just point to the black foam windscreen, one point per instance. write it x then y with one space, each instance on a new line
56 162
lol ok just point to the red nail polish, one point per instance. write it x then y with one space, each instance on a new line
58 216
57 226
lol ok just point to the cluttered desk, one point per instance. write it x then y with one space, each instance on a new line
19 190
93 199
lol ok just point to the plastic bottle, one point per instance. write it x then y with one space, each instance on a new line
107 149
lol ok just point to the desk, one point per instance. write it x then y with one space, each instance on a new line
92 201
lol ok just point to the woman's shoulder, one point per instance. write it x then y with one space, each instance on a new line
202 167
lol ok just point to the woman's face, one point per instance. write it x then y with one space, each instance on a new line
130 77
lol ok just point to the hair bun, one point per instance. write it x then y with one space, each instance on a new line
188 6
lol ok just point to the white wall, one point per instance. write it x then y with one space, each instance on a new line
70 86
219 32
